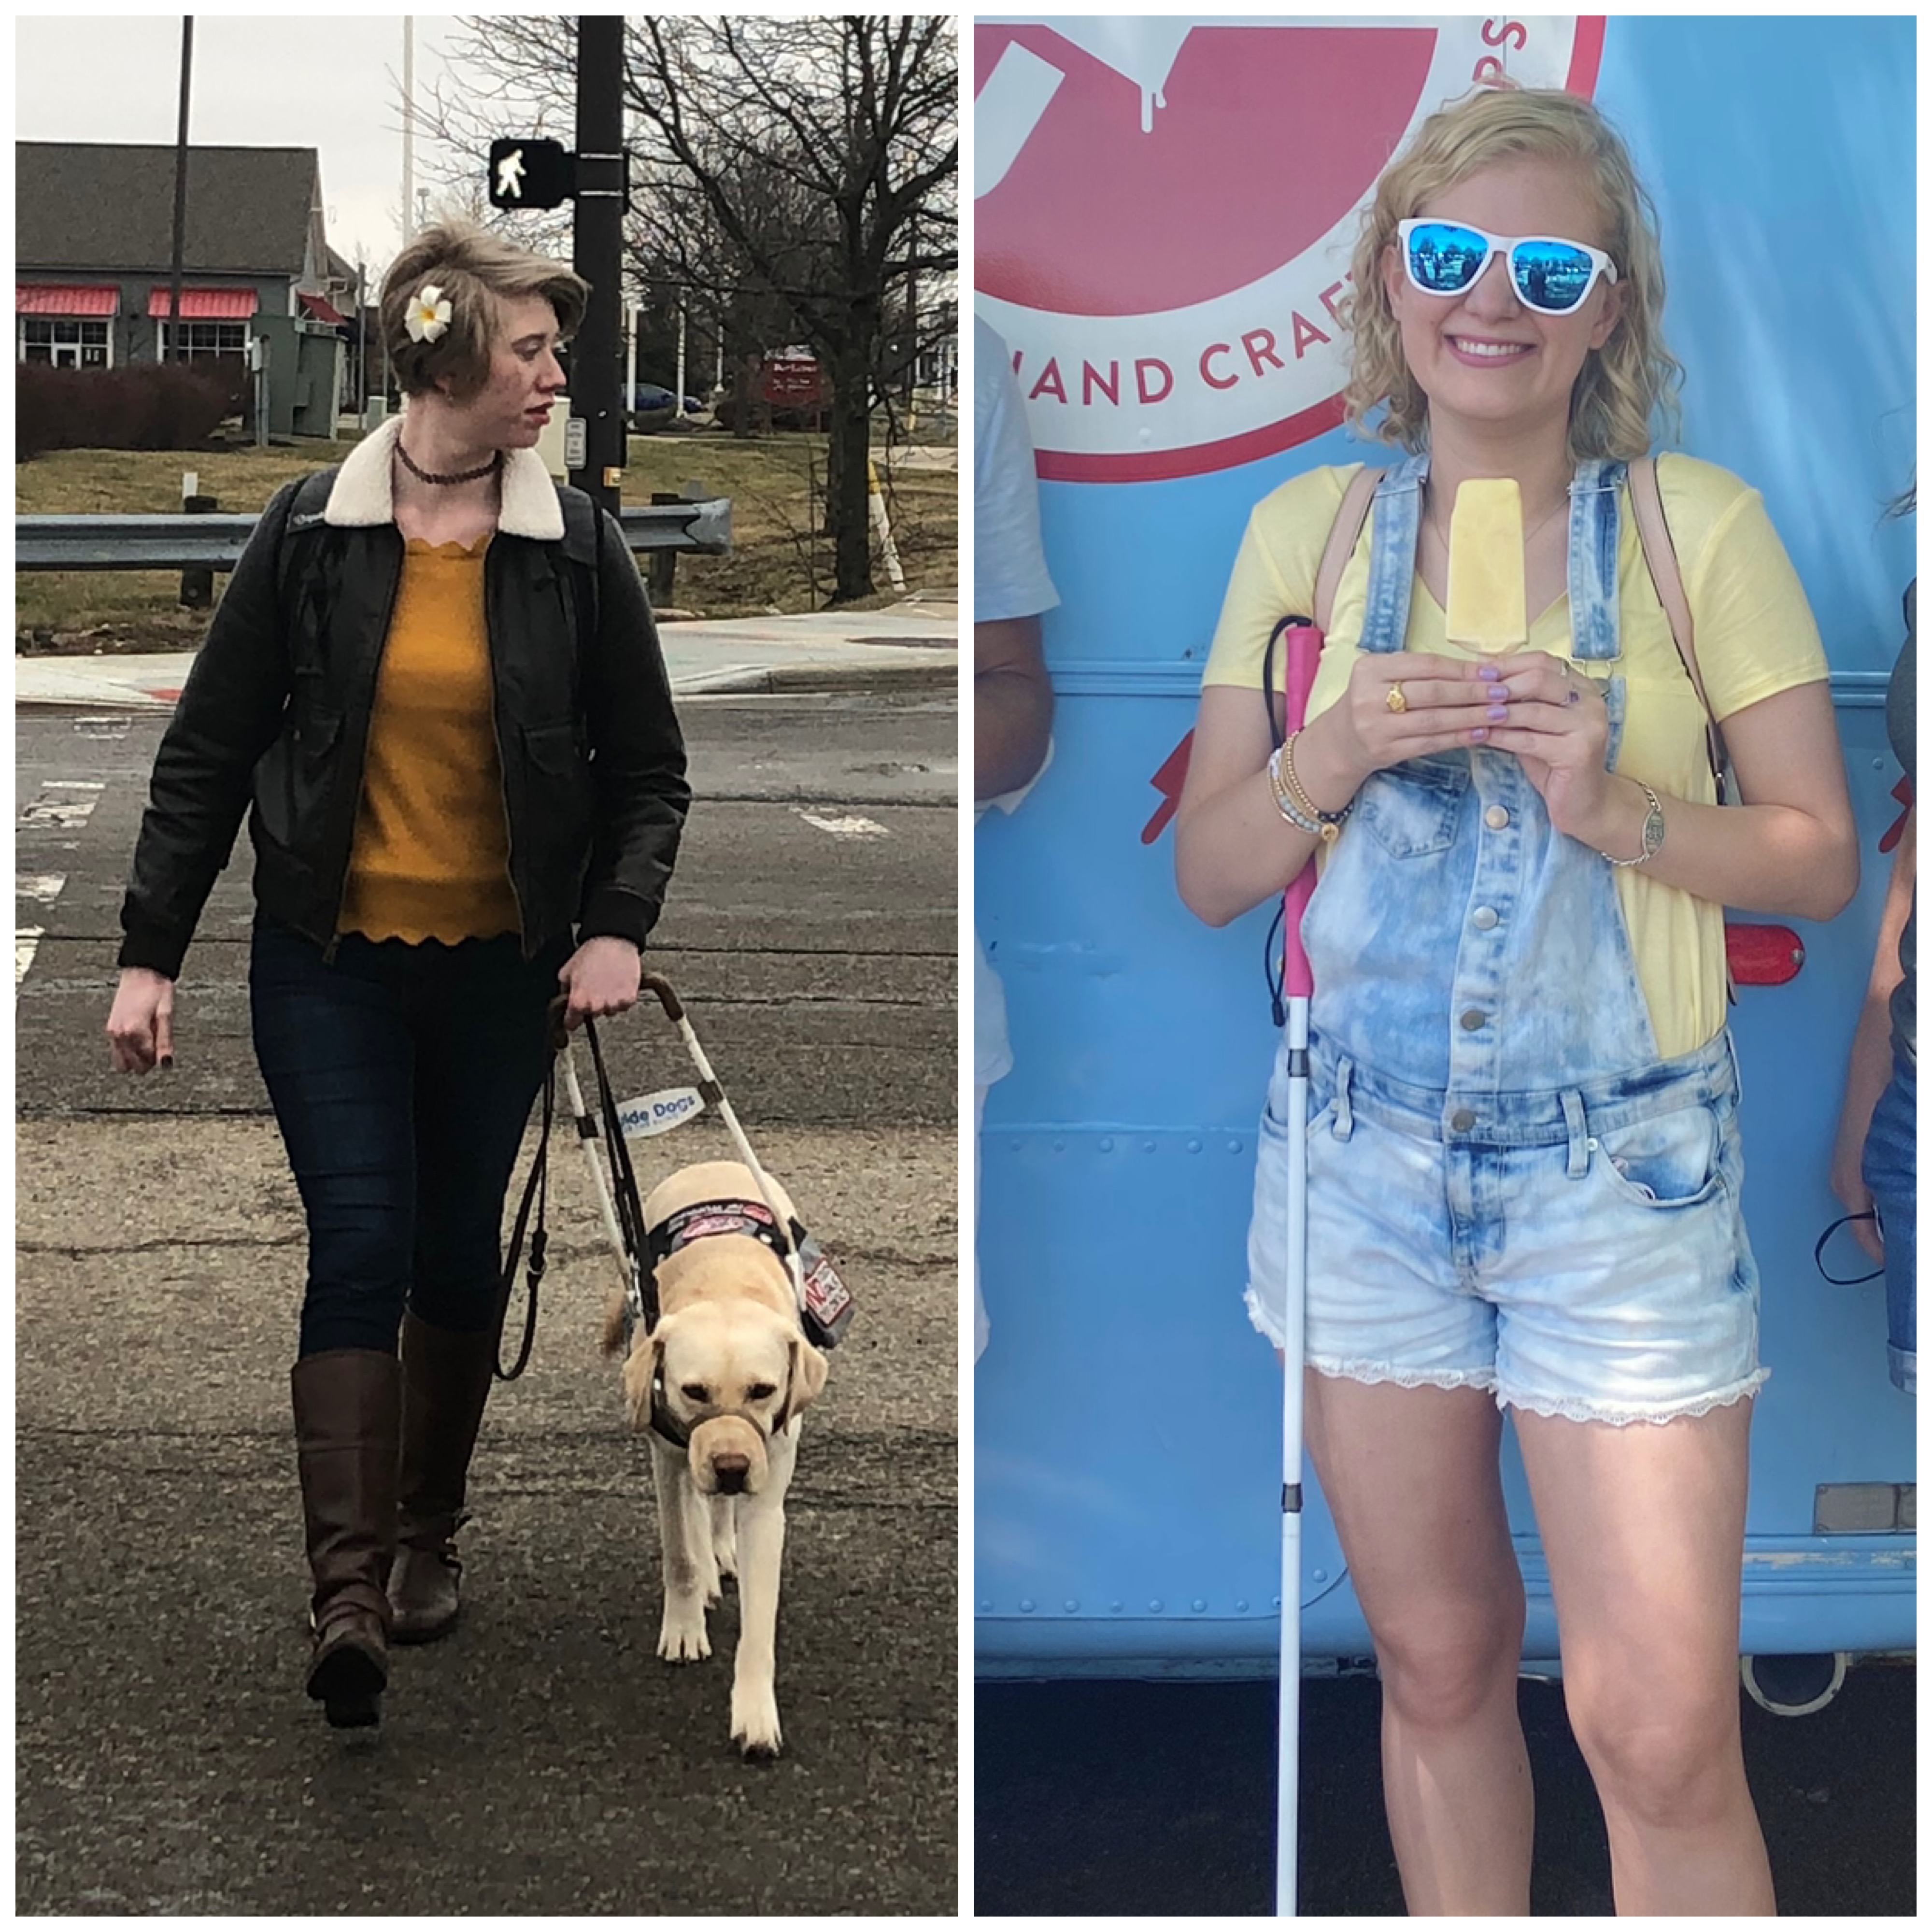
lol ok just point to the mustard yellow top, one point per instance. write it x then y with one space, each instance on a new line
1755 637
432 852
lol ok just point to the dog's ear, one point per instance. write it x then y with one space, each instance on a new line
641 1370
809 1371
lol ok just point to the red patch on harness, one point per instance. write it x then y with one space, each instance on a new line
721 1224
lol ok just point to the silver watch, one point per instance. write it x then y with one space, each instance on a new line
1653 830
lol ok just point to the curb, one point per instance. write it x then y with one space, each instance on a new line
807 678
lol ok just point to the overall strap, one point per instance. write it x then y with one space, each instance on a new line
1660 557
1590 569
1398 523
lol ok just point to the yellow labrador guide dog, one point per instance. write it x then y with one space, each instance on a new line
720 1383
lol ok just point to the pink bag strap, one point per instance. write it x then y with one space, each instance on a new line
1343 533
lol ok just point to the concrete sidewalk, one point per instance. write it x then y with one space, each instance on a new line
915 643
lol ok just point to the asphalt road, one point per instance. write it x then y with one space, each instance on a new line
1112 1799
542 1760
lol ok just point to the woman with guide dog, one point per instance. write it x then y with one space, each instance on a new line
1524 1166
436 677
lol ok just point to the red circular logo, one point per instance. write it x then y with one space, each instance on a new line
1164 214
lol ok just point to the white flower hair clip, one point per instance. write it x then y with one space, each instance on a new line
428 314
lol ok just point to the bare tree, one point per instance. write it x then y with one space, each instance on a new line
795 171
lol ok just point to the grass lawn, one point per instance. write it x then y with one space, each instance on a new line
781 559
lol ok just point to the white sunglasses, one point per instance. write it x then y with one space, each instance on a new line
1549 275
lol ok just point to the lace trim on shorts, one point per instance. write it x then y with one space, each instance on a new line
1621 1418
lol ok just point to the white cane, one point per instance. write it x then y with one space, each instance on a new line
1304 649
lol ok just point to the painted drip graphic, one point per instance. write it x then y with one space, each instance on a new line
1165 210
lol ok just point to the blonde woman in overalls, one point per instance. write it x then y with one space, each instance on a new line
1524 1162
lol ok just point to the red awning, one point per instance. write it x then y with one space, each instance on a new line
319 309
45 298
205 304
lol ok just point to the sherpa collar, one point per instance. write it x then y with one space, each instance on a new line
362 494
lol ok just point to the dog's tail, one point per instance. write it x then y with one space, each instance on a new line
613 1323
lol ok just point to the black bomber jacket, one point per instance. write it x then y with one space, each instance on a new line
275 713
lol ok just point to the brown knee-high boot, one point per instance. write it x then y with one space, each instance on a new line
446 1379
348 1409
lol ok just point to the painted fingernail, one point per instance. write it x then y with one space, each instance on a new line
1492 672
1497 713
1479 733
167 1060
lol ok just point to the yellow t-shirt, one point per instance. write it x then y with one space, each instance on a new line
1755 637
432 853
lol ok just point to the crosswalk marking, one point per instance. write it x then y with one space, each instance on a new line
26 938
37 889
54 806
850 826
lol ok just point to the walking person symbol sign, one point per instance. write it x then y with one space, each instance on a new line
531 174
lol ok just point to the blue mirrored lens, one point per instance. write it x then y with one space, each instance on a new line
1443 259
1552 276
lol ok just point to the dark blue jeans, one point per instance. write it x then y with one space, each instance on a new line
1890 1168
402 1076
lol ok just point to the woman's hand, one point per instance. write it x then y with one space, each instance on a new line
599 979
1558 725
140 1027
1441 702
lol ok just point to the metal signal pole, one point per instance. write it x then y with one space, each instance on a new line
177 335
596 372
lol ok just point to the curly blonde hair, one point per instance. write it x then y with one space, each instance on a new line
474 270
1625 386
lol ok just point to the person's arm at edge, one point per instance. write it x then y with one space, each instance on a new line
1012 705
1870 1062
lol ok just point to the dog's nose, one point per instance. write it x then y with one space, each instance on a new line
731 1469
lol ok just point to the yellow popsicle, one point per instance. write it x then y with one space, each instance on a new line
1486 593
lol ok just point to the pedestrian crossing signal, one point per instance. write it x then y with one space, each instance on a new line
531 174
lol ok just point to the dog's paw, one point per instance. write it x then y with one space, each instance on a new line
683 1640
754 1722
708 1585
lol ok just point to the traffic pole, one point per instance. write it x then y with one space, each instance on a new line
596 363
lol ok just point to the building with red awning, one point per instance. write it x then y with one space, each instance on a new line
94 234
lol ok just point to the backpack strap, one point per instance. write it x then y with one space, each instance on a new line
1342 535
1660 557
583 547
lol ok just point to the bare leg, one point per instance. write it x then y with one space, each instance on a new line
1644 1528
1412 1478
681 1638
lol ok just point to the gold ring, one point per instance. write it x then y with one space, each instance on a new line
1396 700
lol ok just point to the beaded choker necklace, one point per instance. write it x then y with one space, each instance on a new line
461 476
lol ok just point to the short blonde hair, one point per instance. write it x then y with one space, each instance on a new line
475 270
1624 386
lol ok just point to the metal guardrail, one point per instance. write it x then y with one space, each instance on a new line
215 542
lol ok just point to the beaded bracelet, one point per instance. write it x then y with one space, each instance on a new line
1284 801
1328 824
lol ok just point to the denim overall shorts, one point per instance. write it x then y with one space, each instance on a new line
1508 1189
